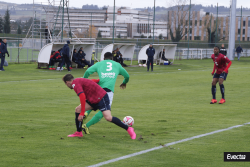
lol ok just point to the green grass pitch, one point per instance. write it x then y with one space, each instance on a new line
37 114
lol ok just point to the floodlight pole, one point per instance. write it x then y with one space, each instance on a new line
210 35
114 22
148 23
189 27
154 24
240 24
91 26
231 42
216 39
62 21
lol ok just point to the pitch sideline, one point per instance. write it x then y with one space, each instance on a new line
166 145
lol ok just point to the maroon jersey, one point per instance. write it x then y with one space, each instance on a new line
93 92
221 62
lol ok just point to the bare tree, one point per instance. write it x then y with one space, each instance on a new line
178 20
214 27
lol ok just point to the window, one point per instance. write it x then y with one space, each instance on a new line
238 31
190 30
200 22
243 38
248 23
244 23
195 23
197 38
243 31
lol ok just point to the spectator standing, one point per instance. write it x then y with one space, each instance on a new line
238 51
150 53
223 50
3 51
46 34
65 54
93 58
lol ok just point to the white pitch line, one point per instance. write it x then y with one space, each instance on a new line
30 80
168 144
137 73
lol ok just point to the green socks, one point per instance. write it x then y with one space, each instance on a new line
88 112
96 118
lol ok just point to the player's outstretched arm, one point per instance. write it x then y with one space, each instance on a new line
90 70
125 74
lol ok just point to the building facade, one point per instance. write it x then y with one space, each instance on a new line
201 22
127 22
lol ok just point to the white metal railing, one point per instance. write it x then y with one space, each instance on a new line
201 53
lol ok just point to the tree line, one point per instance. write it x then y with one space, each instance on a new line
19 27
5 22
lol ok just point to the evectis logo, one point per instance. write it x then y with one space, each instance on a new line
229 156
236 156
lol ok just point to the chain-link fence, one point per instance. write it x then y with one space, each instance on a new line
193 50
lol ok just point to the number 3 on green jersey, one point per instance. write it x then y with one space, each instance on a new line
109 66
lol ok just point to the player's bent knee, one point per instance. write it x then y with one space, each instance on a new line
78 109
108 118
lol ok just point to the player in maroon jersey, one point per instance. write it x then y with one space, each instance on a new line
92 97
221 65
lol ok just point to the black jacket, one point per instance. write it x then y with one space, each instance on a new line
239 49
223 51
65 50
162 55
3 48
150 52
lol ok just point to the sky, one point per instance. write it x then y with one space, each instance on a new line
138 3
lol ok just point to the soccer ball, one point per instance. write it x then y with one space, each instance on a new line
128 120
140 65
144 65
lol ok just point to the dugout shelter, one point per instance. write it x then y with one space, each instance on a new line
170 50
126 49
45 52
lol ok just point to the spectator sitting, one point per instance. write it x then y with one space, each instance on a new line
119 57
114 56
81 57
76 59
55 57
51 61
162 56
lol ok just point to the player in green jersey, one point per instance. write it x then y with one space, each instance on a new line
107 70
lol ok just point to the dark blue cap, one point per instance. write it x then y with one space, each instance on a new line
68 42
